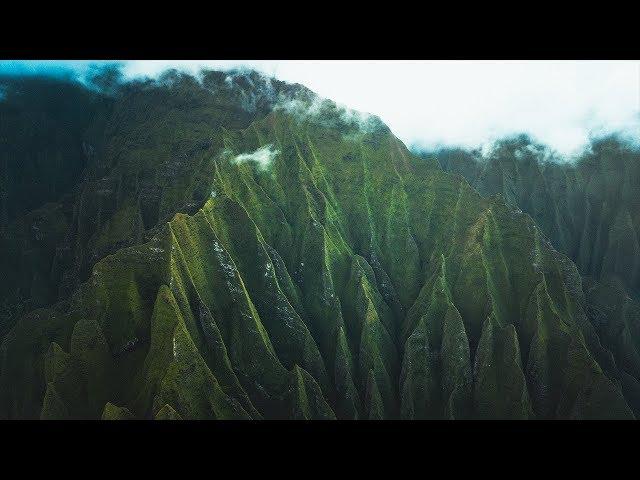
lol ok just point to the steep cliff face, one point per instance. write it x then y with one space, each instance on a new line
43 124
103 169
297 261
589 208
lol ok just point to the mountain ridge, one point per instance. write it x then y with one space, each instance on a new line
349 279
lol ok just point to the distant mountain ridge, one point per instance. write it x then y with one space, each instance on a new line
589 208
238 248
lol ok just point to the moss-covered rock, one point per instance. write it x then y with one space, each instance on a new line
113 412
339 276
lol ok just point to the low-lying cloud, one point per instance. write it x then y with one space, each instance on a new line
469 103
262 157
438 103
326 112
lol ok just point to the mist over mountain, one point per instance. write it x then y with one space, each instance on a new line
230 246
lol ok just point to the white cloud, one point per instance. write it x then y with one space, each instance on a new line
463 102
263 157
468 102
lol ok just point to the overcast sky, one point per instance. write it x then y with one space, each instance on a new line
467 103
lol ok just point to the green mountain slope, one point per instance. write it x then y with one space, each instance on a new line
588 208
128 163
321 271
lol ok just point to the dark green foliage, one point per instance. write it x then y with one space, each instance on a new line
44 124
113 412
500 389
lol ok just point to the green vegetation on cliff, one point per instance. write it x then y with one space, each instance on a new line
238 257
588 208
